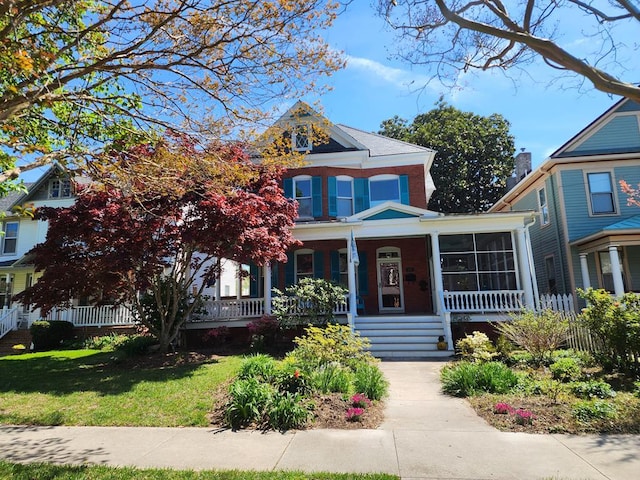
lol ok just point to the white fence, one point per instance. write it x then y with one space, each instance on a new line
557 303
102 316
8 320
230 310
484 301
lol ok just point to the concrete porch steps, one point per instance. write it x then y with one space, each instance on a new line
402 336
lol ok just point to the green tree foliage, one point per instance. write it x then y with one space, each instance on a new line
79 75
474 155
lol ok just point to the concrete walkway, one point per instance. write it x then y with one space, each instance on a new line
425 436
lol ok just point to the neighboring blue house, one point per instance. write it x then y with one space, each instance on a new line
586 233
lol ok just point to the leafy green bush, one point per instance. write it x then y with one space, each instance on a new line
616 322
109 342
539 333
476 348
49 334
466 379
587 410
137 344
592 389
331 343
370 381
287 411
292 380
249 397
258 366
310 301
566 370
332 377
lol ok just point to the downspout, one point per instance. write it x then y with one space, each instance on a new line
532 269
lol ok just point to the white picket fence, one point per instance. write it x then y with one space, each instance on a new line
557 303
8 320
89 316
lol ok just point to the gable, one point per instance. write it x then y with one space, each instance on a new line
390 214
617 131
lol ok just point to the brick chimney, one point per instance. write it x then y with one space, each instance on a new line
522 168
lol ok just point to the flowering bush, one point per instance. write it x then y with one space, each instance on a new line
354 414
503 408
476 348
217 335
360 400
523 417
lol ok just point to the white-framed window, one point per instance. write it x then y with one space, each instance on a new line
543 206
304 264
302 192
606 270
601 193
9 238
478 262
344 196
343 267
301 138
59 188
384 188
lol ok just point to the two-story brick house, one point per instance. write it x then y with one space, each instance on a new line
586 233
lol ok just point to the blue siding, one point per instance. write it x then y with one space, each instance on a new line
620 133
629 106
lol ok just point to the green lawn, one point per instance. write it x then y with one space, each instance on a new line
89 387
15 471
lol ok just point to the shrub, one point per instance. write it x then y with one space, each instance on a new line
538 333
587 410
249 398
616 322
332 343
217 335
287 411
592 389
109 342
476 348
259 366
48 335
566 370
137 344
466 379
290 379
369 380
310 301
332 377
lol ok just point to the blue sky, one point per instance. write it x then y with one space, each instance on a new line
373 88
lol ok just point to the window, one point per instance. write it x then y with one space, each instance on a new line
10 238
601 192
478 262
344 196
550 268
384 188
607 271
300 138
302 193
6 289
60 188
343 266
304 264
542 204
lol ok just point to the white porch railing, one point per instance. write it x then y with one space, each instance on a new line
557 303
89 316
8 320
230 309
484 301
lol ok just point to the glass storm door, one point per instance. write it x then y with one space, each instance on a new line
390 285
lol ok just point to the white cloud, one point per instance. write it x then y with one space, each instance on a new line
396 76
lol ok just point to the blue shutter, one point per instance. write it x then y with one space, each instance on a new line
318 264
361 194
335 267
332 187
287 186
316 194
289 270
254 278
363 280
275 268
404 189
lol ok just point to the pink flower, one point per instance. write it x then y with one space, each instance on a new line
354 414
360 400
503 408
524 417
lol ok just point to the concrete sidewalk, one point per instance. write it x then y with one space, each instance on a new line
425 436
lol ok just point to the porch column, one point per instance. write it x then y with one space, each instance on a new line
437 272
267 288
618 286
8 288
584 269
239 284
351 279
525 268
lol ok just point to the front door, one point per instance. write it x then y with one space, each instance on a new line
390 295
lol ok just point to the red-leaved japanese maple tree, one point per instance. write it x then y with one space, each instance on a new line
124 244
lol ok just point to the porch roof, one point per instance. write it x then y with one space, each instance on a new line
624 232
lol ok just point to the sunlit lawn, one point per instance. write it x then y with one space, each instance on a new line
51 472
89 387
